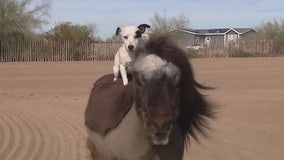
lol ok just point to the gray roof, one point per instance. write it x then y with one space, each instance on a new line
243 30
218 30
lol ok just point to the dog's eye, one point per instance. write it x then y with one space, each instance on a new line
125 37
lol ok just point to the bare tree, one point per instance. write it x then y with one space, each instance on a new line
20 17
271 30
161 23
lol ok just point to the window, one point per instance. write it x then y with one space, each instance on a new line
196 39
232 37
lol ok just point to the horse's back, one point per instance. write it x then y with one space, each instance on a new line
108 103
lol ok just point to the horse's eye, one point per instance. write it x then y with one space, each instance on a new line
177 82
125 37
139 83
167 125
139 79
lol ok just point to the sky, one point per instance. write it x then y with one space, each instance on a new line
202 14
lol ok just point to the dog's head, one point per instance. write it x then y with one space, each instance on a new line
132 36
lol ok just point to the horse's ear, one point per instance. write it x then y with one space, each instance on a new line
142 27
118 30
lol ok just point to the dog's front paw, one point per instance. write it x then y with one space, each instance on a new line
115 79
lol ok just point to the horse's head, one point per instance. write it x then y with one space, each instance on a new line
156 96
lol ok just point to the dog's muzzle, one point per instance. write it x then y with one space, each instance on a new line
130 47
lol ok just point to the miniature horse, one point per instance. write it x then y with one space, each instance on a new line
153 116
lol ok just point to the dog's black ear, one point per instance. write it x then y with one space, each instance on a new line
118 30
142 27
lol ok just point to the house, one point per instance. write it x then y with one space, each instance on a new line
207 37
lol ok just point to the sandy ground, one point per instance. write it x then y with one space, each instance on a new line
42 106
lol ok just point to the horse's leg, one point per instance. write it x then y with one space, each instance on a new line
92 149
151 155
94 154
156 157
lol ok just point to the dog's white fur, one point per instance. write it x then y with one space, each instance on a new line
132 42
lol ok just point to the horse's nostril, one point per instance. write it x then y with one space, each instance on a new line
161 133
130 47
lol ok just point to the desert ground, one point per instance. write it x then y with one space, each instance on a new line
42 109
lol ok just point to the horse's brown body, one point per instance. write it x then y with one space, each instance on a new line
108 105
153 116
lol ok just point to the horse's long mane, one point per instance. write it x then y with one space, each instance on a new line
195 109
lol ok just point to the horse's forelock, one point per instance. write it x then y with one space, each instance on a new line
194 108
152 66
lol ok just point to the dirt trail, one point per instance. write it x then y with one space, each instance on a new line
42 106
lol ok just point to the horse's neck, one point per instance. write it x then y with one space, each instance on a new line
131 120
129 137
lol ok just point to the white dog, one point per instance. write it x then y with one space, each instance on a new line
132 42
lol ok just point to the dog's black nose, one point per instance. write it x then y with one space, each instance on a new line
130 47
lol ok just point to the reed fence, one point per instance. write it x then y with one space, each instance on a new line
28 51
17 51
248 48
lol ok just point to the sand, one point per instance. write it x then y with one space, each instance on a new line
42 109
